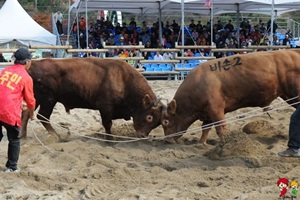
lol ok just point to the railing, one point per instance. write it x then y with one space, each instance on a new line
175 72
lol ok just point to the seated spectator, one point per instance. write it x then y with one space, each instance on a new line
125 29
229 42
201 40
146 38
111 40
118 29
146 55
219 25
167 56
144 28
188 53
158 56
108 24
132 23
195 35
126 39
262 28
131 62
148 45
124 53
120 41
134 38
2 59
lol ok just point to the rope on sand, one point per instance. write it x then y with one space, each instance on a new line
41 141
129 139
239 117
234 118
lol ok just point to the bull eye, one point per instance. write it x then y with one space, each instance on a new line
165 122
149 118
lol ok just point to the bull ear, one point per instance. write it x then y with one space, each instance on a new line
172 107
146 101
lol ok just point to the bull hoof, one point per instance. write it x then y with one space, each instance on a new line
23 137
170 141
203 143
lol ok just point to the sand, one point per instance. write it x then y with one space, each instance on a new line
80 167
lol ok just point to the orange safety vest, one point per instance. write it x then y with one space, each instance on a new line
15 86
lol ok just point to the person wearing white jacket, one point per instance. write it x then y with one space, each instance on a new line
58 19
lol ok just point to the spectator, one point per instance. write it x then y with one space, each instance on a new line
144 28
199 27
192 25
188 53
146 38
2 59
82 24
13 91
120 41
167 56
195 35
154 40
275 26
175 27
262 28
58 19
158 56
124 28
201 40
229 42
229 27
82 41
131 62
118 29
124 53
219 25
243 23
111 40
148 44
91 28
132 23
74 29
108 24
285 41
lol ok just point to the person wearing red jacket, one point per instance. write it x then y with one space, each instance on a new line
15 86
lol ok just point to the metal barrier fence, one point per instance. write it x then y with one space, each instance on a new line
174 73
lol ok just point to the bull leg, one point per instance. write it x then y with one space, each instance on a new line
44 115
217 116
25 118
205 129
107 123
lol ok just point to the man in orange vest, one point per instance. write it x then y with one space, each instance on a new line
15 86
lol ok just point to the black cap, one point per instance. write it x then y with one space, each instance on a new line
22 54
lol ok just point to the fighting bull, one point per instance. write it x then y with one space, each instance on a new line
227 84
113 87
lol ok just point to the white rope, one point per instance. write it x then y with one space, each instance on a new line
130 139
219 123
207 126
40 140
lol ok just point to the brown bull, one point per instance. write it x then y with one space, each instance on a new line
227 84
113 87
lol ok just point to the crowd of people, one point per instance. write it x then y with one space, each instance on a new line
224 35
